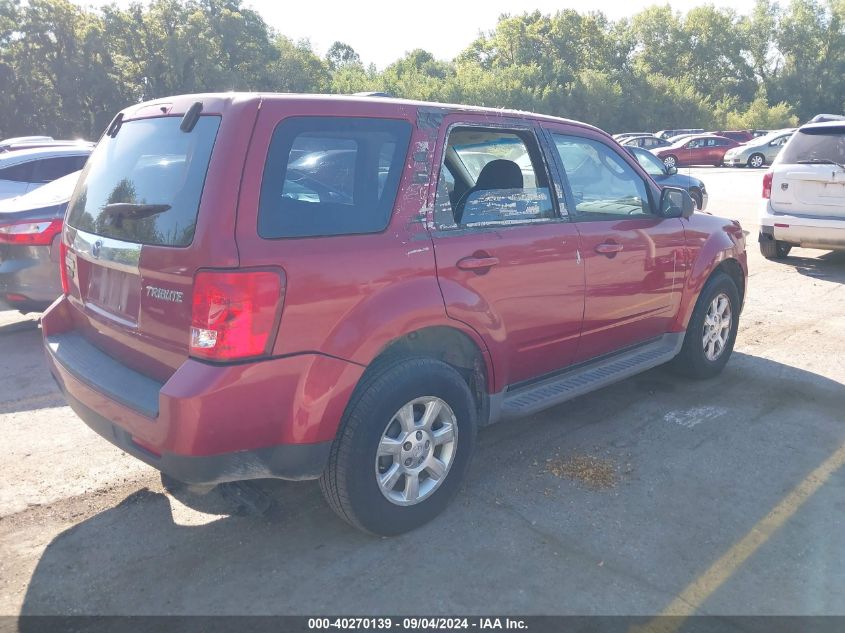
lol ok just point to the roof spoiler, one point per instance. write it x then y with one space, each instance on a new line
191 117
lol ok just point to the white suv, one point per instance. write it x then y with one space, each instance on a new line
805 192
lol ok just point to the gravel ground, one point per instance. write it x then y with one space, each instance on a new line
610 504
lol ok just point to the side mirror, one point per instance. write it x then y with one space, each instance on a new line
676 203
671 171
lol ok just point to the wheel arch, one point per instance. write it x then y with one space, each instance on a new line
720 252
448 344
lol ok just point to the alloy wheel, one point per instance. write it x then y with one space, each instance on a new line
416 450
717 327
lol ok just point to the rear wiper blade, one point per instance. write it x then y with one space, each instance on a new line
821 161
134 211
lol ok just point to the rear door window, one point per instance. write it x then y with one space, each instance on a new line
331 176
492 177
22 172
50 169
144 185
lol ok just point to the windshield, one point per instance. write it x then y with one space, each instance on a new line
650 163
145 184
822 144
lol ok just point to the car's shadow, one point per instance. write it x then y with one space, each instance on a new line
829 267
696 465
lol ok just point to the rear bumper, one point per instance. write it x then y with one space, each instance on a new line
806 231
207 423
291 461
29 277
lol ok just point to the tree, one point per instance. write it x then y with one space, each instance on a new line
341 54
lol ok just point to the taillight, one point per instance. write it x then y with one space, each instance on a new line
63 267
767 184
235 314
31 232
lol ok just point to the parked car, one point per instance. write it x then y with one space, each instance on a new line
27 169
804 192
23 139
758 152
646 142
227 317
30 232
669 176
740 136
704 149
30 144
621 137
670 133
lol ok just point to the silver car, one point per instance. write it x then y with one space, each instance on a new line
758 152
24 170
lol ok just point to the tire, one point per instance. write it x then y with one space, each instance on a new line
372 419
693 360
771 249
671 161
695 194
756 161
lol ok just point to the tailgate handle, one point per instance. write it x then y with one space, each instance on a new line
477 263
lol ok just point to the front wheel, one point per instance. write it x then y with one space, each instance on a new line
712 329
670 161
696 196
403 448
756 161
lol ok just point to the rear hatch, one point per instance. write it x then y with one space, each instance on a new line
156 202
809 177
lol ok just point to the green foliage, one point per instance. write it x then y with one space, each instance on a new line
65 70
760 115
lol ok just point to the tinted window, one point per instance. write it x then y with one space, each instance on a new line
331 176
22 172
145 184
50 169
816 144
601 181
491 177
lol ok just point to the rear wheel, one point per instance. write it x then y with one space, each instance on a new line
403 448
756 161
711 332
773 249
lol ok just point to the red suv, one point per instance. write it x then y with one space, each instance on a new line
346 288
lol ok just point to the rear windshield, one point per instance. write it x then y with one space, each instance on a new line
145 184
331 176
816 144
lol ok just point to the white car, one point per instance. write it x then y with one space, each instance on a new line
27 169
804 192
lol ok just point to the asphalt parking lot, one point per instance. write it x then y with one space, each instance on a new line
654 495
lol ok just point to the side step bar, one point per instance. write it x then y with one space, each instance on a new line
587 377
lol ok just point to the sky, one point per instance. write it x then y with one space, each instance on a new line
382 31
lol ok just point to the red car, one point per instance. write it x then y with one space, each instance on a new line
740 136
321 287
703 149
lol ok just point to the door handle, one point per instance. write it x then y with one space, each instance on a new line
477 264
609 248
